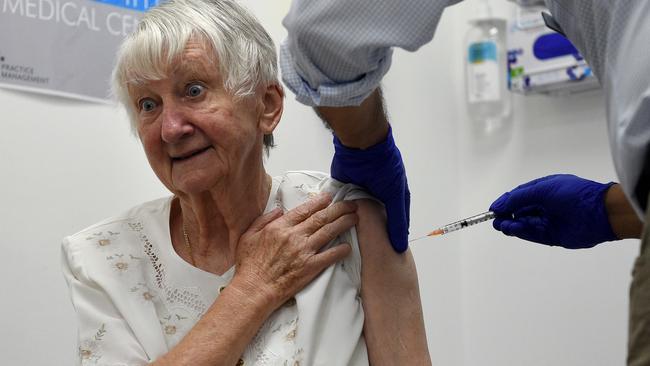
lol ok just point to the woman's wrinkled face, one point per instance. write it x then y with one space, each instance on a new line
193 131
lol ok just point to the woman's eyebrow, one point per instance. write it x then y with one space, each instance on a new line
138 90
192 67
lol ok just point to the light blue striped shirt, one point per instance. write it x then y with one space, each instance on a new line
338 51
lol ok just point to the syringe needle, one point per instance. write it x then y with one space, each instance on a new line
458 225
433 233
418 238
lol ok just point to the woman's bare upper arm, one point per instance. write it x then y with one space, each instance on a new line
394 325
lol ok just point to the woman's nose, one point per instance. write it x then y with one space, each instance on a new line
175 124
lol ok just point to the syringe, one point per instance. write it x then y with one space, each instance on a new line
454 226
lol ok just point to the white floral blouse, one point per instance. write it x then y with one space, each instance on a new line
135 298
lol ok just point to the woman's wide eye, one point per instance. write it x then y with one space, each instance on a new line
147 104
194 90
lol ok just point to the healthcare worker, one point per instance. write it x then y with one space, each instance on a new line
337 52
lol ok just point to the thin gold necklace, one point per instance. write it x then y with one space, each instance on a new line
188 244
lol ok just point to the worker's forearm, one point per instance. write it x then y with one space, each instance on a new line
622 217
358 127
222 334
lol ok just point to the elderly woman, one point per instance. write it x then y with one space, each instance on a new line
235 267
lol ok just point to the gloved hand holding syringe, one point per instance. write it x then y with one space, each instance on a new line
455 226
562 210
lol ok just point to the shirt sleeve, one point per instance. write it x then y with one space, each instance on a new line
104 337
337 51
349 192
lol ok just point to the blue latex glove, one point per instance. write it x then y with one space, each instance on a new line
380 170
562 210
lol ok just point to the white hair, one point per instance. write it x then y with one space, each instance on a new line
245 52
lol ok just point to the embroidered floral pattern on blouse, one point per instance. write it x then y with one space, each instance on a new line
307 190
296 358
143 292
267 348
90 350
119 264
173 296
176 325
103 239
122 263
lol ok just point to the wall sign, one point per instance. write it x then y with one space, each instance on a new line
64 47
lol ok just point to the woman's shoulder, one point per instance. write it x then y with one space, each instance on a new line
105 234
304 180
296 187
308 183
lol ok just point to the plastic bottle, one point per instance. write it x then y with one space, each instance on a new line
488 98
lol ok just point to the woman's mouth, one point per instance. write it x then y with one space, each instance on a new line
189 154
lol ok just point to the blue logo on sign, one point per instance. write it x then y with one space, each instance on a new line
138 5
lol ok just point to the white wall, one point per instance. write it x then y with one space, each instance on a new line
488 300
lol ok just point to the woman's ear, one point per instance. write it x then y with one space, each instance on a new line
273 105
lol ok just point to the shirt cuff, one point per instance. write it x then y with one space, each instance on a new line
329 93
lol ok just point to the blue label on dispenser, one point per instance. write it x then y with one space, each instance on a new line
483 75
482 51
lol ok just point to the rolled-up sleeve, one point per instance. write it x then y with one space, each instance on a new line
337 51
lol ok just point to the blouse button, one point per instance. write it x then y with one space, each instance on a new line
221 289
240 362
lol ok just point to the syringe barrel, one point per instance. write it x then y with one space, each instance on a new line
468 222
